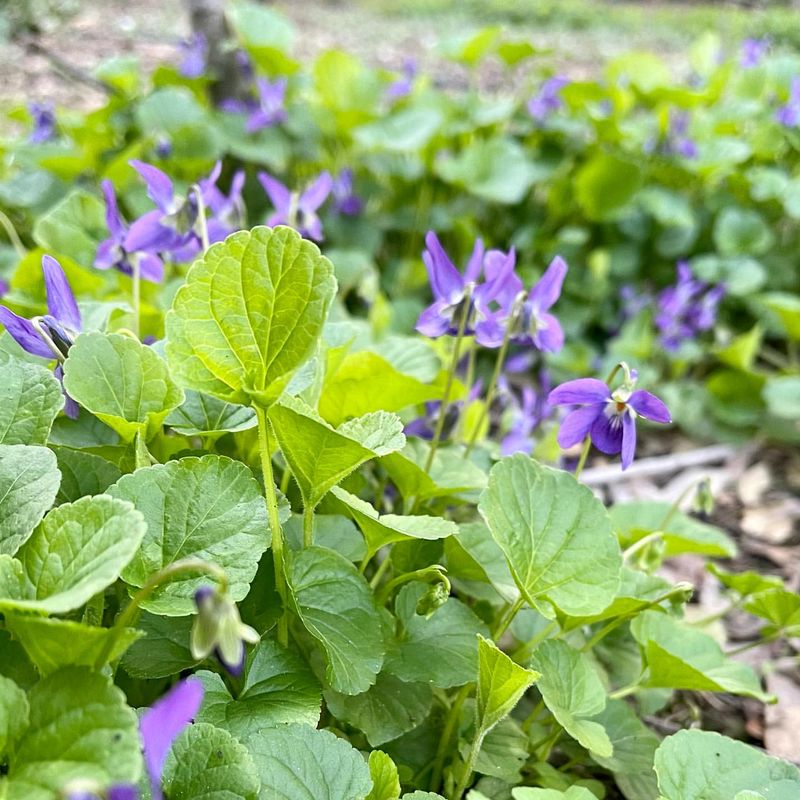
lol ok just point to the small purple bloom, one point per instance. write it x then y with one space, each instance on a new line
44 122
163 148
161 724
527 414
3 287
686 308
402 86
111 252
678 141
633 301
789 114
346 201
609 418
548 99
753 50
451 290
194 51
298 211
268 110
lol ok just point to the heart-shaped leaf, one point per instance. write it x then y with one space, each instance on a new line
30 399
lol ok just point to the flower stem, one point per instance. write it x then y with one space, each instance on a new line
379 572
308 526
448 387
469 766
265 450
487 404
431 574
13 236
201 218
507 618
128 616
450 726
587 446
136 281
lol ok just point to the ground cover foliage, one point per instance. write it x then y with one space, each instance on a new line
294 510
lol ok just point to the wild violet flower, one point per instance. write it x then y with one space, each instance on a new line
753 50
607 417
452 290
686 308
548 99
297 210
218 629
3 287
195 52
527 415
227 212
269 109
346 201
44 122
789 114
111 252
91 790
529 316
52 335
402 86
678 141
633 301
422 427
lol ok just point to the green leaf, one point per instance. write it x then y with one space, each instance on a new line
787 308
296 762
682 534
209 508
682 657
29 480
364 382
201 414
163 650
745 583
742 232
73 227
683 763
572 690
404 131
206 762
249 314
501 684
605 184
337 608
634 747
75 552
573 793
497 170
320 456
55 643
83 474
79 727
503 753
385 779
780 394
122 382
781 608
441 649
555 535
30 399
15 714
279 687
385 711
383 529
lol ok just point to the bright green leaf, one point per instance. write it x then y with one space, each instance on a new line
780 607
782 395
385 779
122 382
604 184
201 414
555 535
573 793
83 474
787 308
15 713
209 508
30 399
164 649
29 480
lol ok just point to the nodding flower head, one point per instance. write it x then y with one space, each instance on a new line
607 416
298 210
548 98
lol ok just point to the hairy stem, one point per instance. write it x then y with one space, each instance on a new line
450 727
308 526
469 766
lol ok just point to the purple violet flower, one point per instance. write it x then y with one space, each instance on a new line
111 252
548 99
44 122
422 427
678 141
686 308
402 86
298 211
227 212
52 335
527 415
608 418
195 53
346 201
3 287
789 114
451 290
268 110
753 50
633 301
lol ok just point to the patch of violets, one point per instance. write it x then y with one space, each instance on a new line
752 51
44 122
194 52
405 83
527 413
789 113
265 108
345 200
686 308
678 142
608 417
296 209
49 336
548 99
159 726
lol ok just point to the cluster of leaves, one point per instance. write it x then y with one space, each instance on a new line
429 620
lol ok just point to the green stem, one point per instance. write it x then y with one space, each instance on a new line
286 476
308 526
587 446
531 718
201 218
675 507
431 574
750 645
507 618
382 567
450 726
136 281
128 616
265 450
626 690
522 654
13 236
451 374
469 766
641 544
